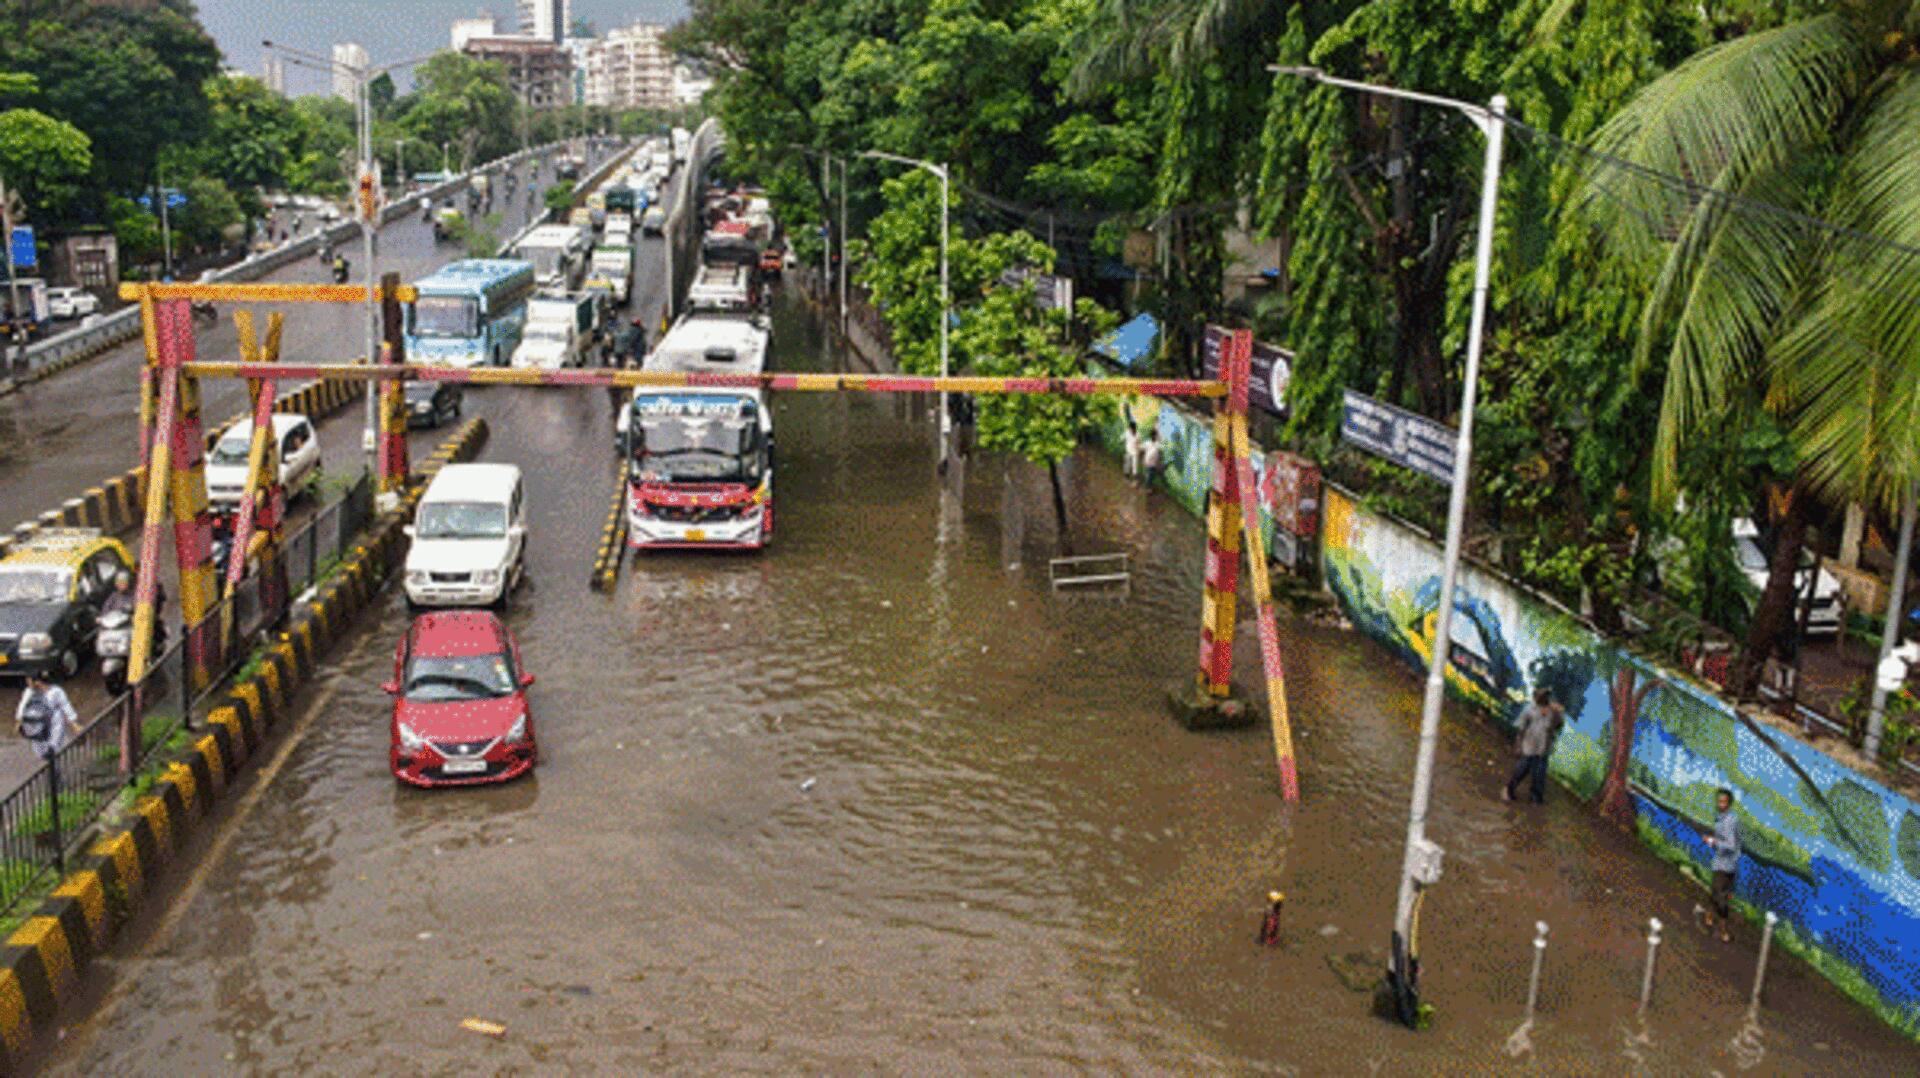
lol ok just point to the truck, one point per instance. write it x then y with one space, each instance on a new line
682 145
560 329
612 271
620 199
558 254
721 288
700 459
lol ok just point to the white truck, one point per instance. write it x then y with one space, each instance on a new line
558 254
612 271
559 331
682 145
721 289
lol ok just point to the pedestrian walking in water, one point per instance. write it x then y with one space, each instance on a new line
1724 840
1130 444
1150 457
1270 924
1539 728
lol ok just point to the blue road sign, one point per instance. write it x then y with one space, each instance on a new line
1409 440
175 200
24 256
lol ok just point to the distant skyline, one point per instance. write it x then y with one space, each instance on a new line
390 29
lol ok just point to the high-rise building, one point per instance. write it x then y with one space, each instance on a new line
548 20
275 75
540 73
630 68
351 55
467 29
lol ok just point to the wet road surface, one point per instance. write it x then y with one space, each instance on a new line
875 801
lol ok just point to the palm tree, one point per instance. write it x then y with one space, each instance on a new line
1768 188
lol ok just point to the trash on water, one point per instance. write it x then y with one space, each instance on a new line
1329 930
482 1026
808 785
886 604
423 935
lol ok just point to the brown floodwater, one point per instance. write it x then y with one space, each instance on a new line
876 801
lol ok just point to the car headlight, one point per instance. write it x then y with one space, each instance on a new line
518 731
487 576
409 740
417 577
35 645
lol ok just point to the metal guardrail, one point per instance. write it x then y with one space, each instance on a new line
124 324
52 811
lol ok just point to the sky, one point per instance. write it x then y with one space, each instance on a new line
390 29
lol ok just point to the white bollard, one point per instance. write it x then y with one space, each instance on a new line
1539 953
1653 949
1760 972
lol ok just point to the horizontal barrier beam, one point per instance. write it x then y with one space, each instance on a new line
264 293
818 383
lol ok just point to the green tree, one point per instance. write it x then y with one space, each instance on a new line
43 159
466 101
136 231
558 199
1819 327
210 214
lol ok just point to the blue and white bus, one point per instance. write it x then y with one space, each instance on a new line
469 313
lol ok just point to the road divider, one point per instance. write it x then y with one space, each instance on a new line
42 962
613 540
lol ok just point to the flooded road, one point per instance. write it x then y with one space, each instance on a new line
874 801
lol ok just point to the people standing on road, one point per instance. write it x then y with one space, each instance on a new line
45 717
1150 458
1539 727
1131 444
1270 924
1724 839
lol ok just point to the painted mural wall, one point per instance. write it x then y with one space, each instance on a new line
1833 852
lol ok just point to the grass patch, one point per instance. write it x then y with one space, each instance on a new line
74 805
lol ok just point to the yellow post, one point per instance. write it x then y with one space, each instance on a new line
1263 603
1218 610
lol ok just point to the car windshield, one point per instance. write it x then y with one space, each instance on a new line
445 316
463 677
233 449
421 391
38 584
710 448
462 520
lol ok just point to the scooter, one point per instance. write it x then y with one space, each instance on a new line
341 269
115 646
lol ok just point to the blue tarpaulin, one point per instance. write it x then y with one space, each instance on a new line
1132 344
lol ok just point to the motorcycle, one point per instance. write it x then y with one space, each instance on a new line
341 269
115 647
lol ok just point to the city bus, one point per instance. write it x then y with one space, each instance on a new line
700 459
469 313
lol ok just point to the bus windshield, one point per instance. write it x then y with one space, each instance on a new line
446 316
674 446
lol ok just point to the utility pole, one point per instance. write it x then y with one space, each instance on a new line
166 228
843 246
13 278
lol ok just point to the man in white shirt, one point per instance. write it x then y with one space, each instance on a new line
45 717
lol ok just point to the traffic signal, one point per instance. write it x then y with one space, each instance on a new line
369 196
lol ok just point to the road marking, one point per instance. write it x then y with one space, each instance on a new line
129 969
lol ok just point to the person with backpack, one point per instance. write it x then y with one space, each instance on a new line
45 717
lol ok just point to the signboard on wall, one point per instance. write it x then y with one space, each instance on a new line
1397 435
1053 293
1272 367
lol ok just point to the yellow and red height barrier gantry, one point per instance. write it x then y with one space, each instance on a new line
172 445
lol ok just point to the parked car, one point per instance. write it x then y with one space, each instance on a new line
1829 607
469 537
430 404
71 302
227 464
460 713
51 590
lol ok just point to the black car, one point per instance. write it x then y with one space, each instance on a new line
430 404
51 590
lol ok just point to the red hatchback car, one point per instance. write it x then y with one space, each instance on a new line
459 702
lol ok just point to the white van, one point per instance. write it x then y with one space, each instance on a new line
469 537
227 463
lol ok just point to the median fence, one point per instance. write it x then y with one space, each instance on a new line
184 764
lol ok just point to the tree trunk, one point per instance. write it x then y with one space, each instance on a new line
1773 618
1613 802
1059 505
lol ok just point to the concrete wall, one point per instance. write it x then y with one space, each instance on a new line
1834 852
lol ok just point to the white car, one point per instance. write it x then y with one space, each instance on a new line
227 464
549 346
469 537
1829 607
71 302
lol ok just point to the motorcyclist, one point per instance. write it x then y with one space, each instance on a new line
340 268
122 599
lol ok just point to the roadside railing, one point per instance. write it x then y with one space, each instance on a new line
52 812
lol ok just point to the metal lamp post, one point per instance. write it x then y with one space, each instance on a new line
946 310
363 120
1421 860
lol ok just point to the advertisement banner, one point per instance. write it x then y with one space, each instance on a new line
1272 367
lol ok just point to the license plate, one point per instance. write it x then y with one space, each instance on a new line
696 535
464 767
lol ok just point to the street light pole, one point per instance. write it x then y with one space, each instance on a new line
946 312
843 246
1421 858
1890 633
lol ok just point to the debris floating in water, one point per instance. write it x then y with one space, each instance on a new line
484 1027
808 785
